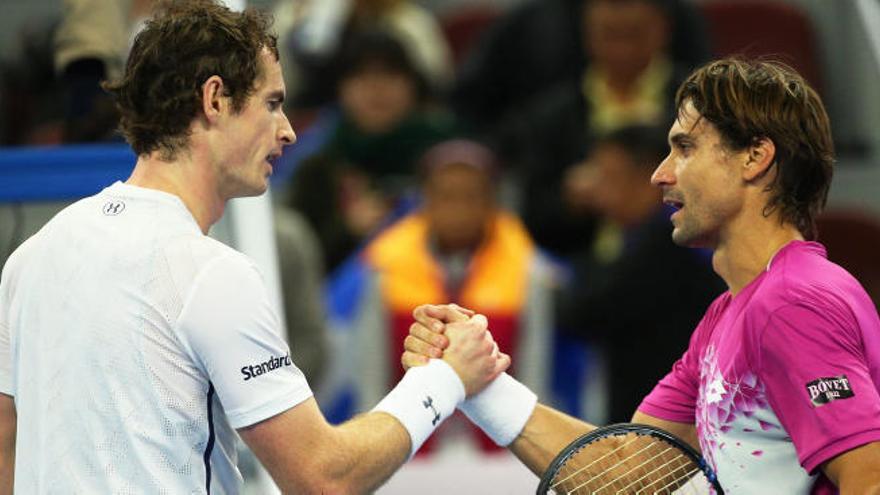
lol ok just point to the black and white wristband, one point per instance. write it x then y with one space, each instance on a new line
502 409
425 397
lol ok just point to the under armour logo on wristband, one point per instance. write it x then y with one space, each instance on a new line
429 403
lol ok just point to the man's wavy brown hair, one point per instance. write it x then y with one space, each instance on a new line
747 100
185 43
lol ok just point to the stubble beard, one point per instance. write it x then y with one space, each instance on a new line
688 233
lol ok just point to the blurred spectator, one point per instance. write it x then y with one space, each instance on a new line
635 293
91 44
631 79
314 32
300 268
538 44
30 95
384 123
458 247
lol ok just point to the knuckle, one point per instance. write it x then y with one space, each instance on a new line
415 330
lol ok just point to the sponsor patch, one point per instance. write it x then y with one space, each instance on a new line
828 389
271 364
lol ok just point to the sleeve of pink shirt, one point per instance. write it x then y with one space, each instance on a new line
674 398
802 355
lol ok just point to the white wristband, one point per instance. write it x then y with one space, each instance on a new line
501 409
425 397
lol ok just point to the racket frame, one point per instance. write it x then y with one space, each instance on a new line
620 429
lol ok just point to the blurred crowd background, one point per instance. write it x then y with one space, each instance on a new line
493 153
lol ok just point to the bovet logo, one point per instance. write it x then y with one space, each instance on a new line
828 389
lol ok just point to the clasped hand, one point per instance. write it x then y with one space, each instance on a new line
458 336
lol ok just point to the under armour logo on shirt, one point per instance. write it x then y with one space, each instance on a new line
429 403
113 208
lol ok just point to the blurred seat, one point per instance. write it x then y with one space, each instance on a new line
463 26
852 238
765 28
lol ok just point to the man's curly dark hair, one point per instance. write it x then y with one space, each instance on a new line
185 43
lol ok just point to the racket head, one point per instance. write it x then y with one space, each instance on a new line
668 464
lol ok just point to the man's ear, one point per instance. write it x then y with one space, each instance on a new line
213 101
761 155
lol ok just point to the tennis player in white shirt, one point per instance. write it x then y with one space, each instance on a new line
133 346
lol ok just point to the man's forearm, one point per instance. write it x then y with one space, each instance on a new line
364 452
306 455
7 443
7 471
547 432
372 447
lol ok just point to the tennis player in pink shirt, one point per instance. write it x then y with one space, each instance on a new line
779 388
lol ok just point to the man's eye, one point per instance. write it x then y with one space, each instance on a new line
274 104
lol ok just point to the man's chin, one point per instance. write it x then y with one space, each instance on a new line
251 190
683 238
690 239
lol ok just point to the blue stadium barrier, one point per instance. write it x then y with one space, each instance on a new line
69 172
61 172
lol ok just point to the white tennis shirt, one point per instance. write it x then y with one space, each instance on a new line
133 345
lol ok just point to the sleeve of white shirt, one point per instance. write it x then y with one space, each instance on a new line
5 340
232 332
5 355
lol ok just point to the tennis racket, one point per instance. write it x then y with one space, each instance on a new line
628 459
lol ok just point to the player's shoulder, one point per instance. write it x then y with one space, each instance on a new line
189 255
806 272
802 275
31 247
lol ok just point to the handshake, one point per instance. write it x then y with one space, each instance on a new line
459 337
452 362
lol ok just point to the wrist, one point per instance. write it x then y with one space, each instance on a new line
423 399
502 409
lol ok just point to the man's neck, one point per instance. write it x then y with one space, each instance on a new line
187 177
739 258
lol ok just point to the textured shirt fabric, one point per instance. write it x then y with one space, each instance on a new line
781 377
133 345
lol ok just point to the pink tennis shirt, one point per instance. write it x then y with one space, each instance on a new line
781 377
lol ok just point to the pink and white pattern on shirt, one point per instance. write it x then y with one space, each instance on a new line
740 435
720 403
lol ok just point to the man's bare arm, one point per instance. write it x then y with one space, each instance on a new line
305 454
684 431
856 470
7 443
548 431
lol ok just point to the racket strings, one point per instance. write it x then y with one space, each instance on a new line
641 464
649 458
596 461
